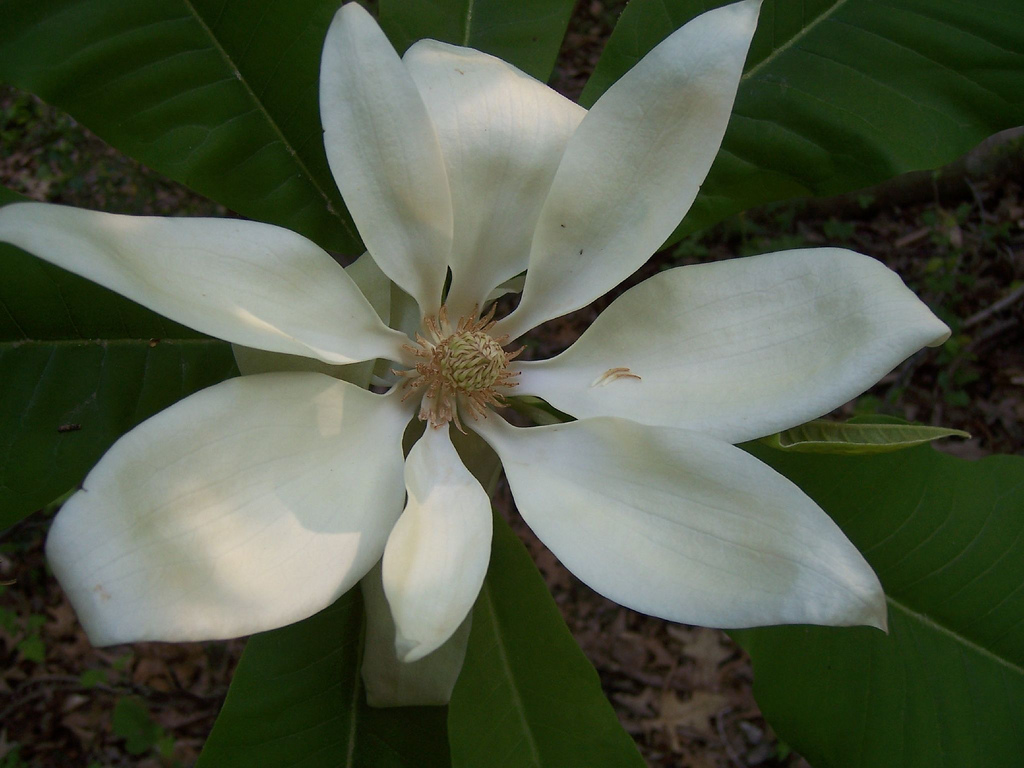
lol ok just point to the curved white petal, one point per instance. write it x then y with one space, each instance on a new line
385 156
741 348
375 286
634 165
437 554
242 281
405 313
247 506
502 134
251 361
391 682
682 526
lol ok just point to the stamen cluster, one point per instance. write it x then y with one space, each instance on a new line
459 365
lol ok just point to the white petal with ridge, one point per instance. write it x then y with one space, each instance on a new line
634 165
682 526
741 348
241 281
437 554
247 506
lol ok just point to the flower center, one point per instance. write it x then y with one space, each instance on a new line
470 361
459 365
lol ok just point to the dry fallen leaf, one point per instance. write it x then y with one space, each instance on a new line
694 714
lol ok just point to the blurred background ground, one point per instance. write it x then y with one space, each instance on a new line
684 693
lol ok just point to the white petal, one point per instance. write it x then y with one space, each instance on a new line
251 361
683 526
242 281
502 134
385 156
247 506
633 167
405 314
375 286
741 348
437 554
391 682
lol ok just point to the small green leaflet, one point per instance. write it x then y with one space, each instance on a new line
849 438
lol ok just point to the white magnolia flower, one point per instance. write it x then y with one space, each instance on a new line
257 502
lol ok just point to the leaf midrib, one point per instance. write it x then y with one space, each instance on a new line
269 118
468 25
357 687
803 32
146 342
517 699
932 624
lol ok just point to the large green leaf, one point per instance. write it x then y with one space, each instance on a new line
297 700
945 687
527 33
841 94
527 696
80 366
220 95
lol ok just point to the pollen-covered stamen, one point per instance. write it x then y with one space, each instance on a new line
459 365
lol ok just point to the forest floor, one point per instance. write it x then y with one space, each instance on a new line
684 693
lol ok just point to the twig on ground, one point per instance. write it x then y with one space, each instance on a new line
729 749
1004 303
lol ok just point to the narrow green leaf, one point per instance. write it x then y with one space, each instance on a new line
527 695
822 436
220 95
297 700
80 366
945 687
527 33
841 94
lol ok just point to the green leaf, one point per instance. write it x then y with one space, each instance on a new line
527 33
220 95
90 678
841 94
33 648
822 436
133 723
945 687
80 366
297 700
527 695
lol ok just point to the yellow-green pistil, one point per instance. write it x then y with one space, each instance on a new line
460 365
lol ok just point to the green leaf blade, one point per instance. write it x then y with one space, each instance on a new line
527 34
220 96
297 700
80 366
841 94
527 696
945 687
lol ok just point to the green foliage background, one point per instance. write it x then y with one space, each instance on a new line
221 95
